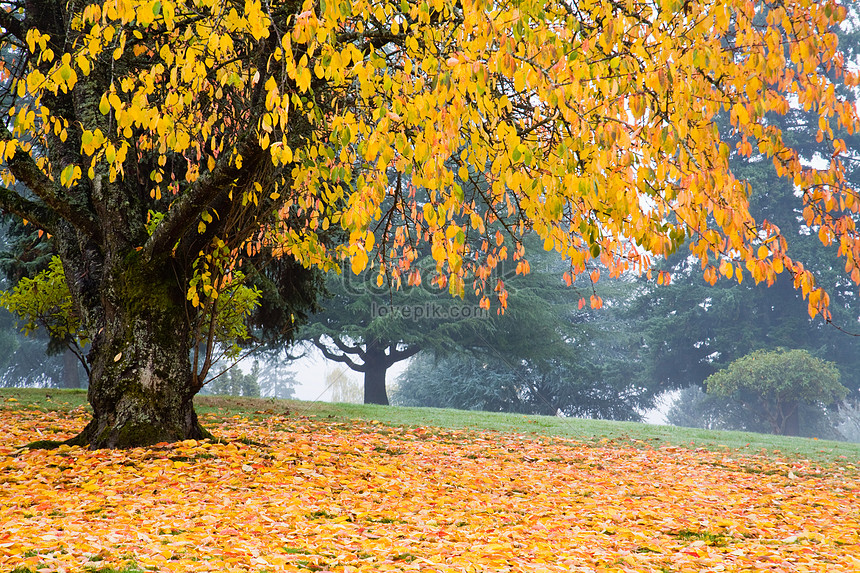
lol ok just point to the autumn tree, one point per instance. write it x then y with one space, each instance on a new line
777 383
143 218
155 140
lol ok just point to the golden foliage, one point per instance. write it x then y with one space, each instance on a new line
591 123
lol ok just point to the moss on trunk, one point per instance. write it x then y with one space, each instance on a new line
142 385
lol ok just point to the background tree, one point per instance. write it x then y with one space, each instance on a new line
695 408
8 343
158 140
232 381
343 388
268 377
49 358
548 353
25 362
276 378
461 381
44 302
774 384
370 327
692 328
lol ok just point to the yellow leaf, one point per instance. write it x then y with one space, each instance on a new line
778 266
741 114
359 262
67 176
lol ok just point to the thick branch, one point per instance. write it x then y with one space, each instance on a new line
25 170
185 211
347 349
395 355
342 358
26 209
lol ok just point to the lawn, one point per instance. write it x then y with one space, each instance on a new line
294 486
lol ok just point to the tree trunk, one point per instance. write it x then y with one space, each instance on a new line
71 376
141 383
374 387
375 366
791 420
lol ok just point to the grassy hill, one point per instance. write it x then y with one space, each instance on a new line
597 432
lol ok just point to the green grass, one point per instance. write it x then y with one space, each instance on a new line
597 432
713 539
45 399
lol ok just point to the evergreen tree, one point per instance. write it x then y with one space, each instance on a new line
275 378
369 327
692 329
547 354
231 381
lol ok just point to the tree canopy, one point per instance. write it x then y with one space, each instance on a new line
157 140
777 383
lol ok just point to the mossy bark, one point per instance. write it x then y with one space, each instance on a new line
141 387
127 280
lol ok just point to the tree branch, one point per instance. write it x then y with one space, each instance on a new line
346 349
395 355
25 170
184 212
39 215
342 358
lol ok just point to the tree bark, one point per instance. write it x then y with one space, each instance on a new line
141 383
71 377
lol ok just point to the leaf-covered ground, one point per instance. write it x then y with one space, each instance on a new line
326 495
